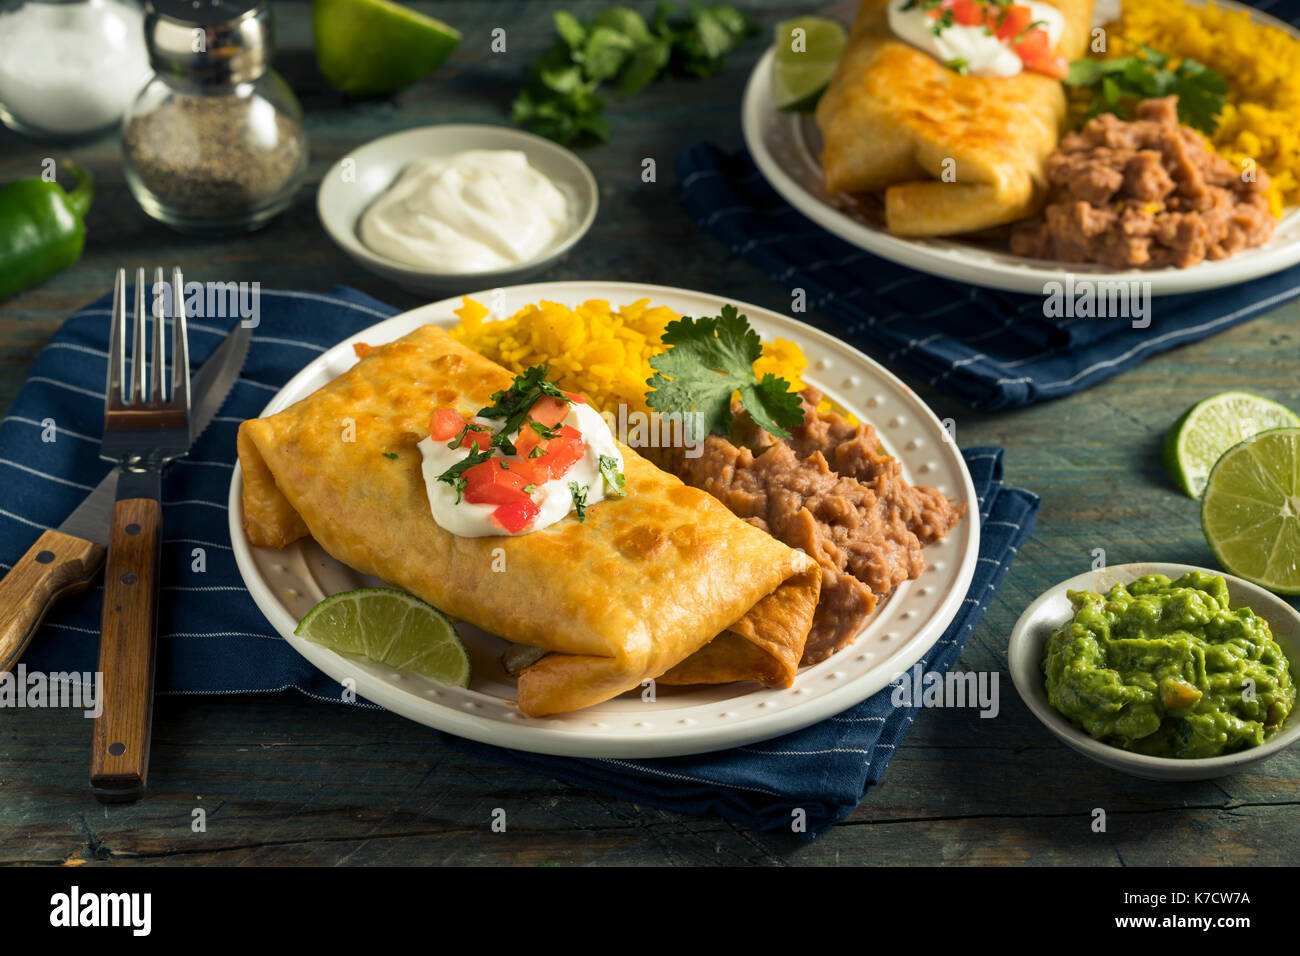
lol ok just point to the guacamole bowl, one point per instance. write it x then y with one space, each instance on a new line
1053 610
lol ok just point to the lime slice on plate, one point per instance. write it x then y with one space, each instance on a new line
1211 427
807 49
376 47
1250 511
390 627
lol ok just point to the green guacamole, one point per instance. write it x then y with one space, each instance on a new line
1169 669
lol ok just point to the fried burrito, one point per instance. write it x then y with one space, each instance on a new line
660 579
952 152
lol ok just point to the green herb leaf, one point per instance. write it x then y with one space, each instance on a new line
579 493
709 359
529 488
460 435
543 432
514 403
613 477
390 454
1118 84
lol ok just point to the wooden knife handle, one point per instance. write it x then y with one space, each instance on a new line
57 564
119 759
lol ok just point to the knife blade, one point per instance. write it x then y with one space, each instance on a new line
66 559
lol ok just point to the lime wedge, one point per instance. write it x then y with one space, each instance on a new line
1211 427
376 47
807 49
1250 511
392 628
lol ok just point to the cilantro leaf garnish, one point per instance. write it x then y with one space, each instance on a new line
544 432
1119 83
579 493
453 475
709 359
391 454
514 403
613 477
460 435
529 488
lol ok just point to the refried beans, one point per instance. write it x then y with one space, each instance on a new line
1147 193
831 491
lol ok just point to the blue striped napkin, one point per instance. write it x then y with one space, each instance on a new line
213 640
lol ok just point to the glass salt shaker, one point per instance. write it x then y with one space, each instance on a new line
69 68
215 143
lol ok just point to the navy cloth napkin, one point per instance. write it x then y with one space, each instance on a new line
985 348
213 639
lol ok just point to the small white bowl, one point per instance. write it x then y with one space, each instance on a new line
358 179
1053 609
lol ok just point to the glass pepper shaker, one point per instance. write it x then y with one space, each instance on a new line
215 143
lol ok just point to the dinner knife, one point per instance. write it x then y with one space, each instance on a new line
65 560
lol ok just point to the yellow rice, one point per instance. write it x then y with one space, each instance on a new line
597 349
1261 118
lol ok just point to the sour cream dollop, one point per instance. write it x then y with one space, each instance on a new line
473 211
980 51
553 498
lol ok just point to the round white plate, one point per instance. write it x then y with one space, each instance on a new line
681 720
785 147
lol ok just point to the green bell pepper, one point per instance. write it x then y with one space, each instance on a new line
42 228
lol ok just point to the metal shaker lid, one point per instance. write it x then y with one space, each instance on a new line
211 42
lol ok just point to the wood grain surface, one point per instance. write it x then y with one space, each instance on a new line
285 779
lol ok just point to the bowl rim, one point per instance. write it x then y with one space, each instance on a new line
345 237
1031 685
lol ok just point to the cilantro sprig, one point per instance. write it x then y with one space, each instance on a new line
614 479
454 475
1117 84
709 359
514 403
579 493
561 99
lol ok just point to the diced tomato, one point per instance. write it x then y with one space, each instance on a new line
1034 46
1010 23
445 423
575 397
549 411
489 483
1056 66
527 469
517 515
968 13
560 453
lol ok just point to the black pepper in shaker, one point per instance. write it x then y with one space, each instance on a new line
215 142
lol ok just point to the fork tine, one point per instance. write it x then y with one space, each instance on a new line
158 367
116 344
136 391
180 344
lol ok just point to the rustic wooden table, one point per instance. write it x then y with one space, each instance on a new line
285 779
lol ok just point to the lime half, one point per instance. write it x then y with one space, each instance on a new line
390 627
807 49
376 47
1211 427
1250 511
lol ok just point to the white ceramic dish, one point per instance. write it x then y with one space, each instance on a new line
1052 609
286 584
785 147
357 179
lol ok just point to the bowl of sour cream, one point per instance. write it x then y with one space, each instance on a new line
441 207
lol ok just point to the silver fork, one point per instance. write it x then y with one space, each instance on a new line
146 425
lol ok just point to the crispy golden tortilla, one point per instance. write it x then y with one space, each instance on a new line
647 581
896 119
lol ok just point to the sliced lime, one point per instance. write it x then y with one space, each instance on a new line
807 49
392 628
1250 511
376 47
1211 427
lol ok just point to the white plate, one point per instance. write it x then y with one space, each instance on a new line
1052 609
785 147
286 584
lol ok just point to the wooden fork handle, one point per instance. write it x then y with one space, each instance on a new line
119 760
57 564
